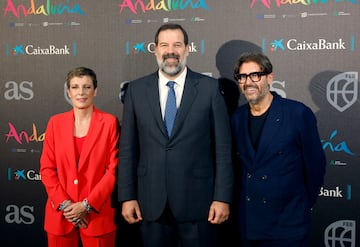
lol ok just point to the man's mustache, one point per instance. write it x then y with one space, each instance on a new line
171 55
250 86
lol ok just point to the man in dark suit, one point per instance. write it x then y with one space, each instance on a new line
281 160
178 185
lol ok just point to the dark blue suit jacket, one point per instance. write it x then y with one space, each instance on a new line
279 183
193 167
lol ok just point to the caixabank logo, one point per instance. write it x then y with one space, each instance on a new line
37 50
339 192
142 47
301 45
23 174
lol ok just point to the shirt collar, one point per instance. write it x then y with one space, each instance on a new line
180 80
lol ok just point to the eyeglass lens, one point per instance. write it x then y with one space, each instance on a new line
254 77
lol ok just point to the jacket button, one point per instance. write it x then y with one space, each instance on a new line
247 198
248 175
76 181
264 177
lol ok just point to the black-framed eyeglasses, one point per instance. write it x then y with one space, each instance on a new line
254 77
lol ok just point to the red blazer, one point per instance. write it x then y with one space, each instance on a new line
93 178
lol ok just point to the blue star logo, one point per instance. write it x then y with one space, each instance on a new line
18 50
20 174
277 44
139 47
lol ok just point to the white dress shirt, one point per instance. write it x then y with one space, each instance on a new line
164 89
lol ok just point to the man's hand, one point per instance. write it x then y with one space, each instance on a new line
131 211
219 212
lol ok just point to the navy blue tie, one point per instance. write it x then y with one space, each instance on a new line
170 108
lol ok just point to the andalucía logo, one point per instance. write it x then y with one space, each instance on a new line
34 50
35 7
143 6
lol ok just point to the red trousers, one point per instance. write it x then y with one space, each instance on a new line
73 238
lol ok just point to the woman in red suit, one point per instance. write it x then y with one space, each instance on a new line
78 168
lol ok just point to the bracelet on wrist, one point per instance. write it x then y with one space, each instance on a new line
86 204
64 205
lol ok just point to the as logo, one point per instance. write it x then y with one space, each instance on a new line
19 214
66 96
279 88
18 91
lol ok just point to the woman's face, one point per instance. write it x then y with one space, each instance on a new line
82 92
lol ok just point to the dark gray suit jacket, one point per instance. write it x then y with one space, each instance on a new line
193 167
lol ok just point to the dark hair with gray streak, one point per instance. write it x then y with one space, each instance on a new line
257 57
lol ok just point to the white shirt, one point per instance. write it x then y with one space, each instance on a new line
164 89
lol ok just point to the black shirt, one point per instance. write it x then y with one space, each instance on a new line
256 124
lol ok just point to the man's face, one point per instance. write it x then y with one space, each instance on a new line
171 52
254 92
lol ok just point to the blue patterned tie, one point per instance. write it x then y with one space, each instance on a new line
170 108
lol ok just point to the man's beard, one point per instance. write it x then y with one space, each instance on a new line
171 69
261 96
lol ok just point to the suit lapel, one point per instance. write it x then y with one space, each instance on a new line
246 134
152 94
188 97
270 129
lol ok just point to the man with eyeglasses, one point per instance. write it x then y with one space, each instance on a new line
280 163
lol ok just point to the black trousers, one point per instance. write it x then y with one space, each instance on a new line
293 242
167 232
